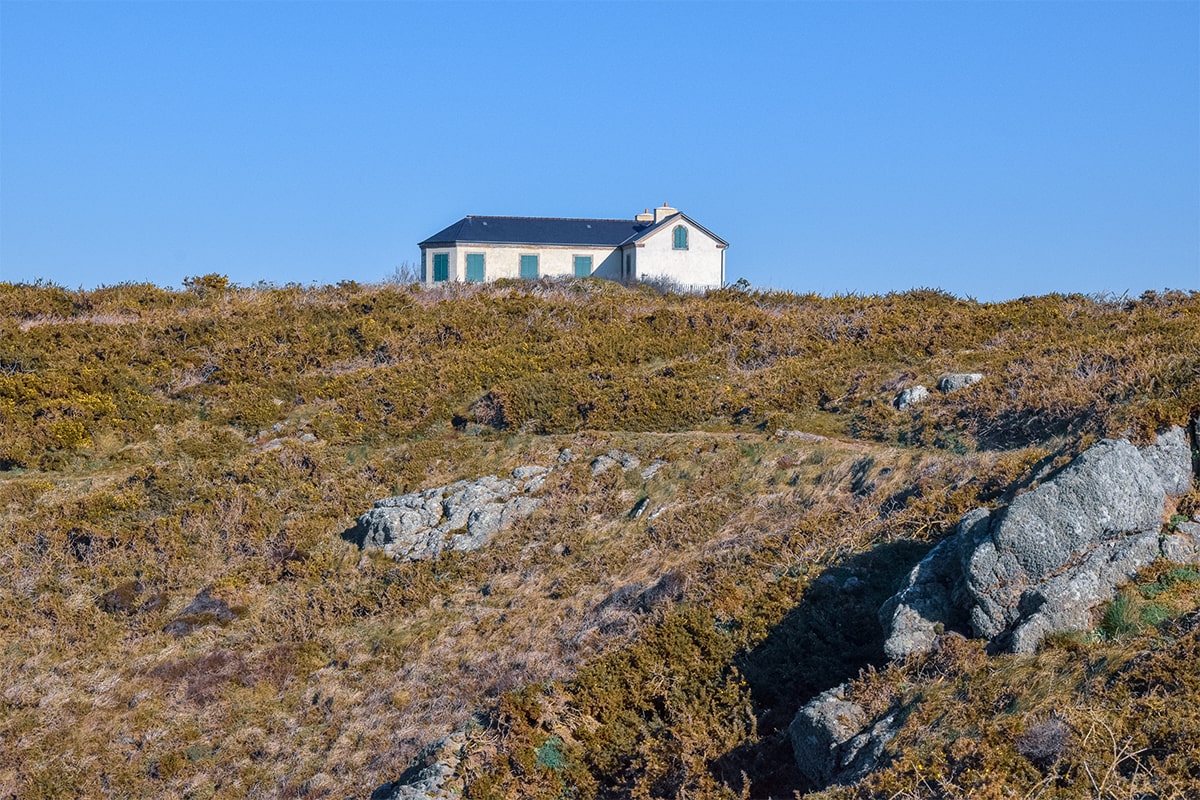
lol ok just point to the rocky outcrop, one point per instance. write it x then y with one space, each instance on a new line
461 516
958 380
819 732
433 775
605 462
1043 564
914 395
1012 576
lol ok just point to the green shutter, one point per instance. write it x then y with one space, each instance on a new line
583 266
475 267
681 242
529 266
441 266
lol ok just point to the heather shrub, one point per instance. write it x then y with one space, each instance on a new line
158 443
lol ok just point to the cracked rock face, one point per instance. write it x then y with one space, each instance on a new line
461 516
1044 563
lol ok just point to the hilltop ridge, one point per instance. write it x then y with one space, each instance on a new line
186 618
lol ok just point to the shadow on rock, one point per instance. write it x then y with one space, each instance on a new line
827 639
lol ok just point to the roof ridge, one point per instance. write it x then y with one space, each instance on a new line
559 219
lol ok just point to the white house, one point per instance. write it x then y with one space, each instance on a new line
663 243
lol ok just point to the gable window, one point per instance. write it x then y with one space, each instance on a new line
681 237
583 266
441 267
529 266
474 267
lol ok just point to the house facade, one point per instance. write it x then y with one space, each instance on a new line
659 244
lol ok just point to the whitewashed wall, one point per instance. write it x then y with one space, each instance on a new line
456 271
504 261
699 267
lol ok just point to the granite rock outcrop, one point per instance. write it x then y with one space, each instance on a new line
461 516
1045 562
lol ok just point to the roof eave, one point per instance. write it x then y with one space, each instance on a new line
664 223
480 243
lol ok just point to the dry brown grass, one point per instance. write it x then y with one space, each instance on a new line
155 439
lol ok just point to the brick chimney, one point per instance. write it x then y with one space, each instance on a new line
645 216
662 212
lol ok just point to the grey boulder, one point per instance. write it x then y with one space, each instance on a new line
1107 493
820 730
911 397
1045 562
958 380
835 741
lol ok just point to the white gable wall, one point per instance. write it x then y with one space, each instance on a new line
700 266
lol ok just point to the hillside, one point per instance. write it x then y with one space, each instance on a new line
186 614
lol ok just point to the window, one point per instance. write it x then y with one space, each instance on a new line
424 273
441 267
529 266
628 264
583 266
680 238
474 267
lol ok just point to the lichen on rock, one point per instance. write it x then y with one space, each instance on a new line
460 516
1043 564
835 741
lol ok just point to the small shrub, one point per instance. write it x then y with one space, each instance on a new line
1120 617
1153 614
489 411
1044 742
550 754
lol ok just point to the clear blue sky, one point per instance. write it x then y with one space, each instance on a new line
989 149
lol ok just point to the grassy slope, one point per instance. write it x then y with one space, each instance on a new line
139 444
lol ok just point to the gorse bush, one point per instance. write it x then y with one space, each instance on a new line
642 634
390 360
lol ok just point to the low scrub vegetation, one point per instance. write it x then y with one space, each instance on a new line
182 617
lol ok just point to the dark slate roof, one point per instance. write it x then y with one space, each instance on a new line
539 230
